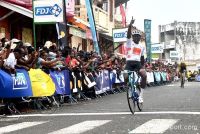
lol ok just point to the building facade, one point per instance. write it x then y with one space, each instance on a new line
182 37
16 21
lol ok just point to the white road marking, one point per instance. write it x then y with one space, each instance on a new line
108 113
81 127
176 85
155 126
15 127
170 85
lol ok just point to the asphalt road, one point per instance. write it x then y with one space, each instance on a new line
167 109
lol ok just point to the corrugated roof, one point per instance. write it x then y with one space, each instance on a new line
16 8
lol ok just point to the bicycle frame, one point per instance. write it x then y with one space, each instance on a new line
182 79
133 83
132 93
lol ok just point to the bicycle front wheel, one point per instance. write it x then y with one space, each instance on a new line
139 105
131 100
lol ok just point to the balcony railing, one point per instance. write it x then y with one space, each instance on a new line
101 16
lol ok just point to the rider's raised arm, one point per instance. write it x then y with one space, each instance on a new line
129 28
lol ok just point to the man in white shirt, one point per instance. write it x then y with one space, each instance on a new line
135 56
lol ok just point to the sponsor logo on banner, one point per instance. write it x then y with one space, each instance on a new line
174 54
61 80
49 10
157 48
20 82
120 35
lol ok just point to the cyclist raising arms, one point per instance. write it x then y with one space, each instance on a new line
135 56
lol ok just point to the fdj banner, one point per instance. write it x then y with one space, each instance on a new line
48 10
16 86
147 30
120 35
62 82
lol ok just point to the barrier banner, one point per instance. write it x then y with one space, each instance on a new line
99 80
42 84
105 81
197 78
168 77
16 86
61 80
157 76
112 78
119 78
89 80
76 85
164 76
150 77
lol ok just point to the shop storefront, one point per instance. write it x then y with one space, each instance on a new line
15 22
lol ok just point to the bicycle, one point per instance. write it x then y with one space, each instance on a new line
133 92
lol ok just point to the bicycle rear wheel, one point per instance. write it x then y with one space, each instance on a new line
131 100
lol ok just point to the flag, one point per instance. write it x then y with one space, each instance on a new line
92 25
62 34
147 30
123 14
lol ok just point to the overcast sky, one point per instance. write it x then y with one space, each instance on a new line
162 12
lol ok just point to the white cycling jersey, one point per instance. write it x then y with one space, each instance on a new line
134 51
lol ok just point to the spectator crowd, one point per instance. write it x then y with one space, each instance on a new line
85 67
16 54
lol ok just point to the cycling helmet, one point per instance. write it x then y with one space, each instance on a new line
136 32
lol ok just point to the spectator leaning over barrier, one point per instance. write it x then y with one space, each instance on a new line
27 56
10 59
10 63
135 56
4 53
20 54
43 61
73 64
